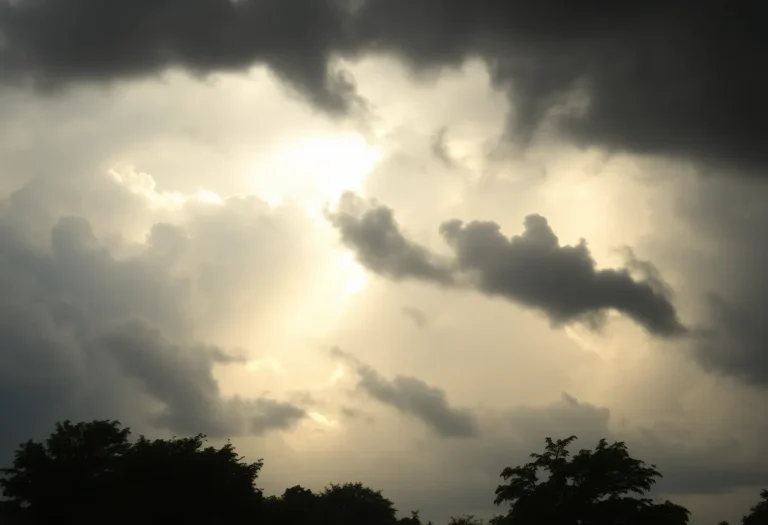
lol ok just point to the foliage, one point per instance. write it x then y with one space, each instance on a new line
594 487
413 519
353 503
89 473
758 514
465 519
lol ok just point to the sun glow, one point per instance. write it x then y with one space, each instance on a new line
314 172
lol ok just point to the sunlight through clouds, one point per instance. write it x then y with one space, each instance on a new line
524 187
144 184
314 171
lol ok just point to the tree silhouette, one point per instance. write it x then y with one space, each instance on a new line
758 514
297 506
92 473
413 519
465 519
594 487
354 503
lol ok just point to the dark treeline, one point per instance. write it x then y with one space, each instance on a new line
89 473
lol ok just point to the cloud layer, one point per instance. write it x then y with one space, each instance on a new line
644 77
90 331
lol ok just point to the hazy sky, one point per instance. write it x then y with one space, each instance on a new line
393 241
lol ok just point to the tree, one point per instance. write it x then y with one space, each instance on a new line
413 519
465 519
297 506
758 514
92 473
354 503
594 487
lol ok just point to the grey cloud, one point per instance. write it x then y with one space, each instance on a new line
182 379
733 341
648 272
534 270
85 333
687 472
653 77
356 414
53 43
531 269
721 270
529 425
658 78
417 316
440 149
416 398
372 232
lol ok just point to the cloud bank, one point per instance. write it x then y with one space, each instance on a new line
642 77
94 328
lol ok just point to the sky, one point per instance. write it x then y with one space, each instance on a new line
391 241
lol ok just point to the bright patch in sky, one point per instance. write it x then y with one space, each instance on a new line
270 364
354 275
145 185
322 419
314 171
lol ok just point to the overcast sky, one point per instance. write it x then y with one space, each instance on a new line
393 241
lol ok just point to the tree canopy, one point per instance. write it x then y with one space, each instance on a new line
93 472
603 486
758 514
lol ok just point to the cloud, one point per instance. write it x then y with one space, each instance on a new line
53 44
417 316
655 78
718 268
93 326
414 397
379 244
733 343
642 77
531 269
182 379
439 148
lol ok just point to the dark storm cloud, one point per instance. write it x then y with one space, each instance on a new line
531 269
562 281
653 77
414 397
722 265
380 245
53 43
659 77
85 334
733 342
